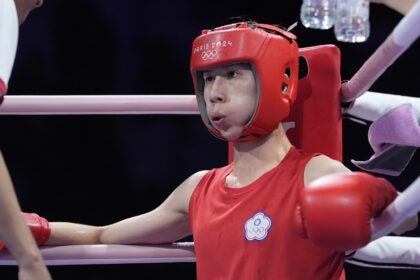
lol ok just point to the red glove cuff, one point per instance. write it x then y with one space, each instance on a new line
39 227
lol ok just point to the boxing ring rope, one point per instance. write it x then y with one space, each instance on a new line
111 254
99 104
403 35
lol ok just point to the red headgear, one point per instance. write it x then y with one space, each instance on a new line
273 56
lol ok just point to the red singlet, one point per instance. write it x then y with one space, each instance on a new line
248 233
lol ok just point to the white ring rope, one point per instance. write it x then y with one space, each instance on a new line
98 104
111 254
403 35
404 206
373 105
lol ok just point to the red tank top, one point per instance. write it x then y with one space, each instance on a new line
247 233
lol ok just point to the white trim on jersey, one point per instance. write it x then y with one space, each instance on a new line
9 31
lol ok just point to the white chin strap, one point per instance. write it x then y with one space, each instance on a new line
9 31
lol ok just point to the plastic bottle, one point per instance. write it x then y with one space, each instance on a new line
318 14
352 21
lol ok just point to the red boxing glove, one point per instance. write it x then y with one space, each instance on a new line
335 211
39 227
3 90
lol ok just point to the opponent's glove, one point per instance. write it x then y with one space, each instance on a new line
335 211
39 227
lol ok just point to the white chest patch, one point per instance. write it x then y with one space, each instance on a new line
257 227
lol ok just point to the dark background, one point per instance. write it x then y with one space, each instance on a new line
100 169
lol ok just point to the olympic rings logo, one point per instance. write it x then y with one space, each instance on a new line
257 230
206 55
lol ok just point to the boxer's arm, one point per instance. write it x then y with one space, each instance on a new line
167 223
13 231
322 165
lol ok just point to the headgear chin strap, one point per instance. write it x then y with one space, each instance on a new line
273 56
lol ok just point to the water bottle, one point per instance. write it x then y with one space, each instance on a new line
352 21
318 14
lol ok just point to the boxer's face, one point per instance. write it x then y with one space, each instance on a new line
24 7
230 95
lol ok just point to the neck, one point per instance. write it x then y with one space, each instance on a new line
254 158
